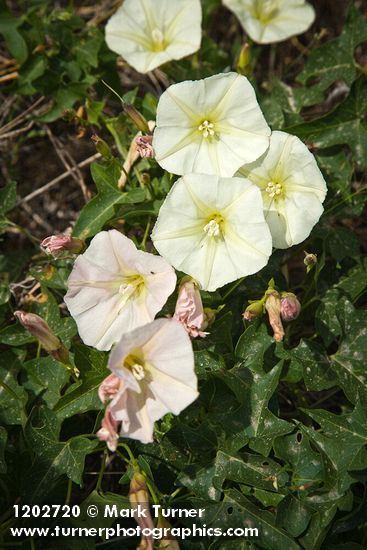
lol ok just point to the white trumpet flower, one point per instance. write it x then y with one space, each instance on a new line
209 126
153 374
114 288
148 33
213 229
267 21
292 187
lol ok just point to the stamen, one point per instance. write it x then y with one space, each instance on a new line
212 229
138 371
274 189
157 36
207 128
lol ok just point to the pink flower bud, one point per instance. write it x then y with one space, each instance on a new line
56 245
40 330
108 430
310 260
289 306
144 145
272 306
254 310
189 308
109 387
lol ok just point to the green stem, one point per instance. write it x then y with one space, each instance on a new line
69 491
101 471
146 233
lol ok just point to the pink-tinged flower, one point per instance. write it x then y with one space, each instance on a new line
38 328
144 145
109 387
115 288
56 245
108 431
290 307
189 308
155 365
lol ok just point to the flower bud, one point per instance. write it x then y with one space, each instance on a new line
310 260
138 495
209 317
272 306
136 117
289 306
189 308
38 328
56 245
102 147
243 63
254 310
108 430
144 145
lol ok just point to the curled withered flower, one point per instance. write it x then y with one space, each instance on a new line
272 306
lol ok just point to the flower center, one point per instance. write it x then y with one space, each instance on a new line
158 42
213 227
131 284
133 364
207 129
266 10
274 190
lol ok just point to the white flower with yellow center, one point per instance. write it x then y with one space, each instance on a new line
114 288
209 126
267 21
292 186
155 367
213 229
148 33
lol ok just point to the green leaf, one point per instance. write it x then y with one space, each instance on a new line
82 396
8 198
334 60
236 510
13 396
14 40
293 515
305 464
345 125
101 500
52 457
250 469
101 208
46 377
343 439
199 480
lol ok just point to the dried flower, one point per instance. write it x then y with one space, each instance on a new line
189 308
253 310
139 500
144 145
272 306
108 430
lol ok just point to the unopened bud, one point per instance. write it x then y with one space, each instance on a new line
310 260
144 145
102 147
243 63
272 306
254 310
136 117
209 317
139 499
56 245
38 328
289 306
